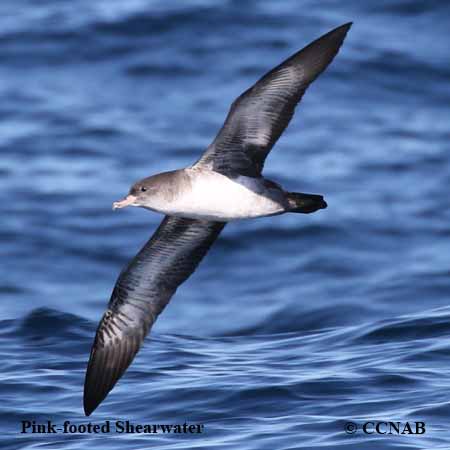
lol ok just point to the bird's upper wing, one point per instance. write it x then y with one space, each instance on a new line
259 116
141 292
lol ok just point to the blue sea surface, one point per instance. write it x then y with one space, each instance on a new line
293 325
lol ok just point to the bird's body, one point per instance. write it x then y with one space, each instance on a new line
204 194
225 184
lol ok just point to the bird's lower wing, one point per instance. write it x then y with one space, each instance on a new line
141 292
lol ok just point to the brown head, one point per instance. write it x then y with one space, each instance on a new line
151 191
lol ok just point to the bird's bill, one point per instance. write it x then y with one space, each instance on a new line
127 201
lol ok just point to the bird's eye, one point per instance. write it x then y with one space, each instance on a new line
143 188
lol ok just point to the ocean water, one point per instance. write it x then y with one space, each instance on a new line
293 326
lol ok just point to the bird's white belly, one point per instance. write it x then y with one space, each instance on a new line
212 196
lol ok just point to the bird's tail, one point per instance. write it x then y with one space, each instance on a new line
305 203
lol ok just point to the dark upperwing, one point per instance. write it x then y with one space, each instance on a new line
258 117
141 292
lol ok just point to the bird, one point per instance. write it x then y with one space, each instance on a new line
225 184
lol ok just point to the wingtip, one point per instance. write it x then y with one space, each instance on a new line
90 403
88 408
93 394
108 363
336 36
342 29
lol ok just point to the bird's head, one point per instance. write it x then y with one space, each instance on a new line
140 194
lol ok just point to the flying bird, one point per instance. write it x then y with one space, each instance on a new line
225 184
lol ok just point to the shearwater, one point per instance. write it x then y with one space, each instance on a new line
225 184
